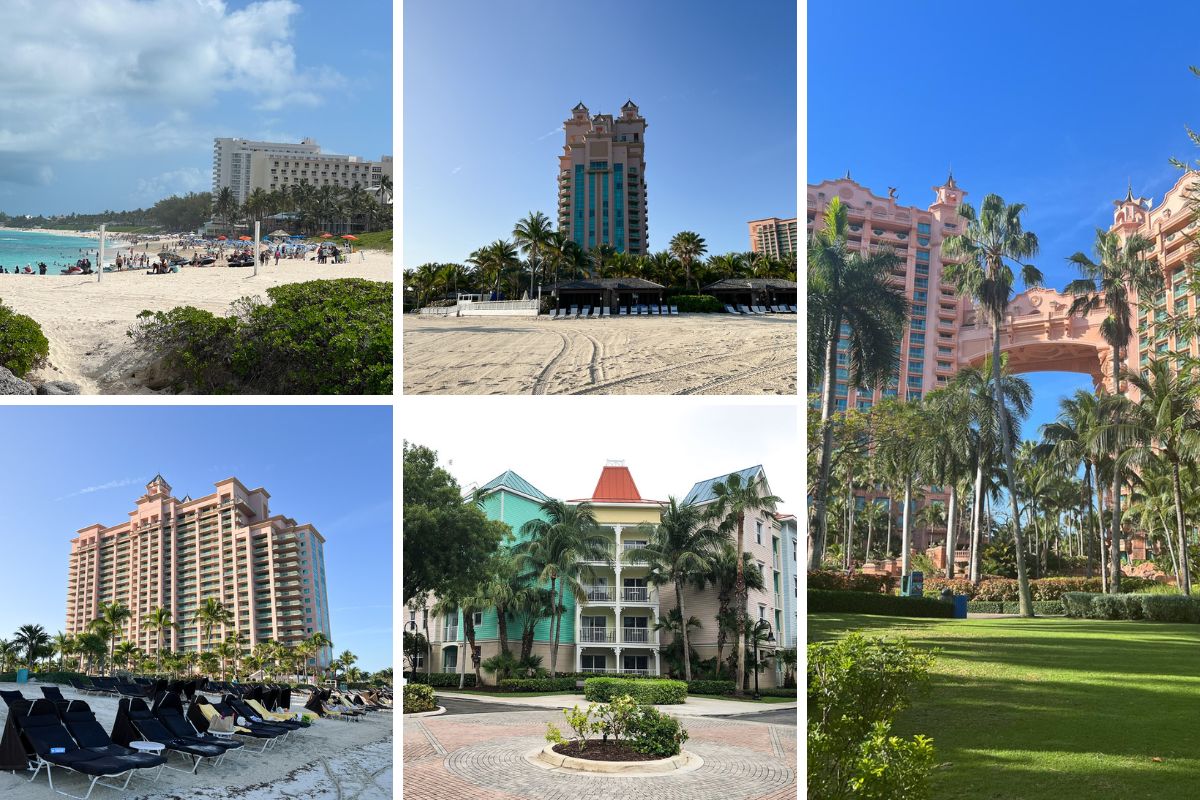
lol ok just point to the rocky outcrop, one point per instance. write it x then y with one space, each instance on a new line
11 384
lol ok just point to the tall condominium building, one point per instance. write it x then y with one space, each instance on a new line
612 629
602 180
244 165
789 537
266 569
929 349
774 236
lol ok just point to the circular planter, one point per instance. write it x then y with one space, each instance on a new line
434 713
684 762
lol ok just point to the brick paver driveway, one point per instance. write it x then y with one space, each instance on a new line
482 757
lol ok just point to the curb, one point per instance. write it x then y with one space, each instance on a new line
557 762
434 713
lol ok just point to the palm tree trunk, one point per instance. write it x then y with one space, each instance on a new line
977 525
849 554
1171 549
1026 599
558 609
870 533
906 528
1114 583
687 661
819 497
1184 566
502 628
1087 497
1100 534
462 658
739 590
951 532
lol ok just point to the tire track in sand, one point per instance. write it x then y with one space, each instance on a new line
654 373
543 377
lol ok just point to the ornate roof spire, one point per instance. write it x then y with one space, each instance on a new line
1129 194
950 180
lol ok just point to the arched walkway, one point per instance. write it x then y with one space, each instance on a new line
1039 335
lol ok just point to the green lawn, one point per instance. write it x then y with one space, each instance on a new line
1052 707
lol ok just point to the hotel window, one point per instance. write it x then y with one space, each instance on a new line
922 227
916 366
450 660
841 404
757 536
477 618
590 663
864 405
922 255
918 310
916 338
918 324
921 295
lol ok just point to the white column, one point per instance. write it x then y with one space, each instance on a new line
618 648
578 638
656 670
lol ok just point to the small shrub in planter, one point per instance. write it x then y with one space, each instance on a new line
417 698
650 692
657 734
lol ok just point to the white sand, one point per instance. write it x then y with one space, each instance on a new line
86 321
688 354
328 760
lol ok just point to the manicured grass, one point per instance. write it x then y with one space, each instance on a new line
375 240
1052 708
747 698
486 693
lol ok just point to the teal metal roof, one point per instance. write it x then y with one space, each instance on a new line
702 492
513 481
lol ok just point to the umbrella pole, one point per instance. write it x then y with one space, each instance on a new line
100 256
257 236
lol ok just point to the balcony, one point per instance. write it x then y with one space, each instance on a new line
635 635
600 594
626 548
598 635
611 553
636 594
616 671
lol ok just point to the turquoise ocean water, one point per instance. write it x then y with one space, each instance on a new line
18 248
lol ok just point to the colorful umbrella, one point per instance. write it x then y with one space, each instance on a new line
351 237
221 238
245 238
326 235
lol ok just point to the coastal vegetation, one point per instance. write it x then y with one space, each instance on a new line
550 256
318 337
23 346
102 647
457 563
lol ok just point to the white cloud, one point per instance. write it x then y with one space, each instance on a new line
456 170
99 488
90 80
549 134
179 181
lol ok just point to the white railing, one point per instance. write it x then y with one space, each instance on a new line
626 548
636 635
600 594
439 311
597 635
483 308
635 594
450 634
616 671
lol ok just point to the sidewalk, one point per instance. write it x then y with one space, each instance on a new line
692 707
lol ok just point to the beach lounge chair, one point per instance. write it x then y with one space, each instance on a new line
248 727
276 716
168 709
80 686
81 723
605 312
744 309
731 310
674 311
587 312
644 310
574 310
654 310
14 700
134 721
50 745
623 312
596 312
793 308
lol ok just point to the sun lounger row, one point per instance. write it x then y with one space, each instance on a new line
602 312
753 310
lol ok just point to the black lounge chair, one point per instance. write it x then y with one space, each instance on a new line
81 723
53 694
131 690
50 745
134 721
168 709
82 686
14 699
247 711
268 733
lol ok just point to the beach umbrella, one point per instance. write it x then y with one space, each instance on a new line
326 235
222 238
281 234
351 237
245 238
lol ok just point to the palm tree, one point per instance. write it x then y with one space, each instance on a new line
319 642
494 263
227 651
385 188
1073 438
853 290
124 653
735 499
115 614
1164 425
33 639
501 590
93 645
555 549
678 654
159 621
533 234
1107 284
679 550
225 207
902 434
211 614
687 247
723 577
949 455
64 645
989 241
601 257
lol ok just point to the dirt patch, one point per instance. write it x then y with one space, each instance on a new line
600 750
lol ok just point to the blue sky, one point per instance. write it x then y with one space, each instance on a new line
114 105
488 85
67 467
1041 103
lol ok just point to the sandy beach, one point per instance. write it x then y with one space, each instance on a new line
688 354
86 320
329 760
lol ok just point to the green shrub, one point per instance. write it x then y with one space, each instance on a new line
792 692
1106 606
417 698
1078 604
934 586
985 607
536 684
865 603
1170 608
655 733
696 303
647 692
838 581
856 687
23 346
318 337
996 589
710 687
442 680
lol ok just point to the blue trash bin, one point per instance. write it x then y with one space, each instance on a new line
22 676
960 606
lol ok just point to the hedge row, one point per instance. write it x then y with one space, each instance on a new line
710 687
443 680
537 684
1005 589
1040 607
651 692
1152 607
858 582
820 601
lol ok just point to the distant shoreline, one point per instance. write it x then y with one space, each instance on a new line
56 232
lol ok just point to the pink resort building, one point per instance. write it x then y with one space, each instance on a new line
266 569
602 180
774 236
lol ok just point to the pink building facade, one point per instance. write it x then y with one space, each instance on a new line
266 569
